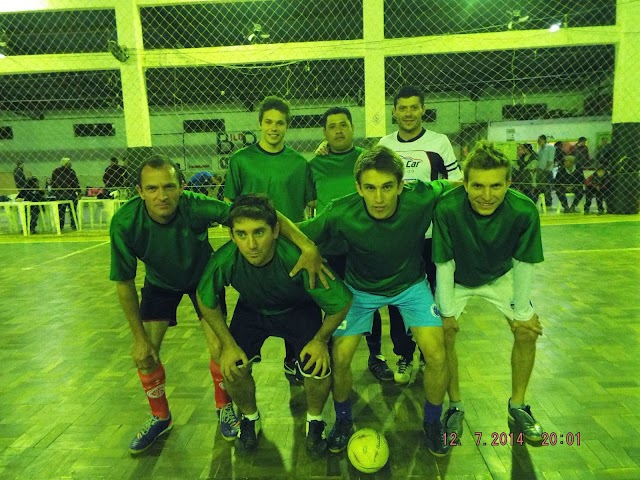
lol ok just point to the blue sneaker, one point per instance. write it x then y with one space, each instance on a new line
152 429
229 423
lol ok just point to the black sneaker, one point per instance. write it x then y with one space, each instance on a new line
453 424
316 439
437 440
523 420
249 432
379 368
340 435
292 373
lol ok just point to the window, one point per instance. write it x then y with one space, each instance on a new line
94 130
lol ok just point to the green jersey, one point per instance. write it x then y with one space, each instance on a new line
284 177
174 254
383 257
483 246
268 289
332 175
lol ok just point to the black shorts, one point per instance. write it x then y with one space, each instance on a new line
161 304
250 329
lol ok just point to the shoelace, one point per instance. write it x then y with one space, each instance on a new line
227 415
147 426
402 366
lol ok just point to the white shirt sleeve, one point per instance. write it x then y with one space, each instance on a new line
445 299
522 284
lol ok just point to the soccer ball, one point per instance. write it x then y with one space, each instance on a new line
368 450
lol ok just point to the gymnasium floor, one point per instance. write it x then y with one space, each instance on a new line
70 400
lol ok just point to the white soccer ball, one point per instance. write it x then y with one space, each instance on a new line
368 450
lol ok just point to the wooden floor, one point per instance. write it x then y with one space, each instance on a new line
70 399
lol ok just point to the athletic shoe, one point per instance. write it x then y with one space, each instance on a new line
229 423
249 432
316 439
437 440
379 368
292 373
523 419
152 429
403 373
453 424
340 435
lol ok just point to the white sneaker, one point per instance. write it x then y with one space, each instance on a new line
404 370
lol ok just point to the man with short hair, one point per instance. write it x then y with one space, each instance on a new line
332 175
66 186
385 212
257 262
581 153
115 176
569 179
275 169
19 177
546 159
486 240
167 229
427 156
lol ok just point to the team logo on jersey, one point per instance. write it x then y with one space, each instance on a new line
156 392
434 310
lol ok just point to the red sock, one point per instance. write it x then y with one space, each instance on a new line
221 395
153 384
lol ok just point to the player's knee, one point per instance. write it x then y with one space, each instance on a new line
435 357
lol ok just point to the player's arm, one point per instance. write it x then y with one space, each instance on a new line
524 316
143 352
310 258
445 290
316 352
232 355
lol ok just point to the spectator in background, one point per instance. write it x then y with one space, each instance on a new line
581 153
48 190
218 187
546 156
606 155
559 154
32 193
569 180
527 171
201 182
66 186
595 186
115 176
18 176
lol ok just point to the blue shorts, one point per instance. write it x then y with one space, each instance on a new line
416 306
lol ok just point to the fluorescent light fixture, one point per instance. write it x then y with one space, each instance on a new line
556 26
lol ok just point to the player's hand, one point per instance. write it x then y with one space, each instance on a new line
532 324
144 355
311 261
316 354
323 148
450 323
231 360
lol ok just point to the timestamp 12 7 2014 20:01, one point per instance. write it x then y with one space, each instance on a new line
549 439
